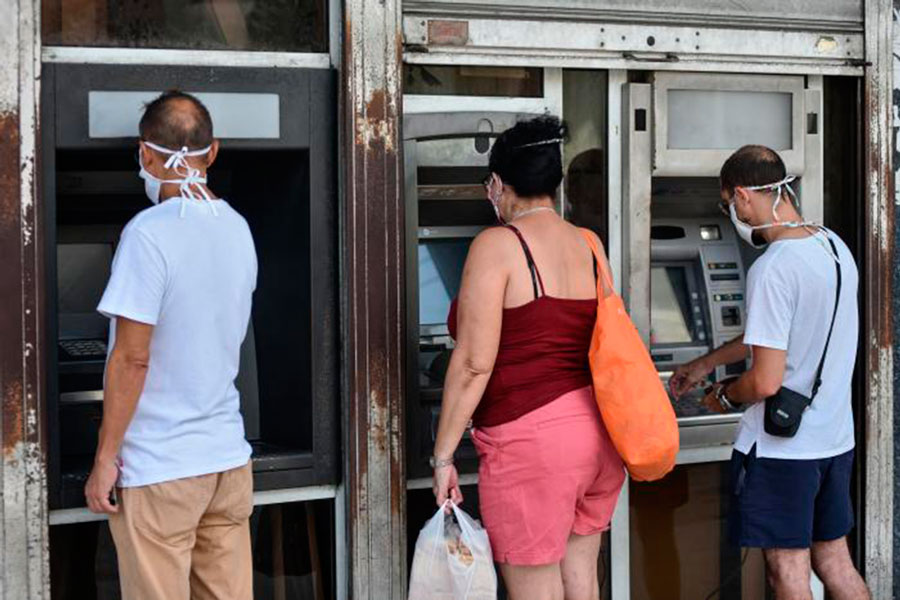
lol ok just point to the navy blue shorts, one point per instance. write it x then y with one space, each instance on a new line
781 503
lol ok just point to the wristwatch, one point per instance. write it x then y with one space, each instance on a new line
722 397
437 463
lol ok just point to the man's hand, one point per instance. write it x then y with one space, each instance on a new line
689 376
711 402
99 487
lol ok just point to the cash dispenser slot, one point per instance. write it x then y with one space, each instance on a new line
283 185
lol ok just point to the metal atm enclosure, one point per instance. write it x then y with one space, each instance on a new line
446 158
684 269
276 167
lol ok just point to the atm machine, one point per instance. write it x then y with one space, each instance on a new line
276 167
683 280
684 268
446 158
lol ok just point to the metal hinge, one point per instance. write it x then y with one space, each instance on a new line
859 62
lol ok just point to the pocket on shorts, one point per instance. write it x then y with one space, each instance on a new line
485 441
168 512
239 488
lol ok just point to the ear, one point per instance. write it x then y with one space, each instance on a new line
741 195
148 157
213 153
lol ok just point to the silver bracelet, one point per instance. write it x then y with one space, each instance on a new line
437 463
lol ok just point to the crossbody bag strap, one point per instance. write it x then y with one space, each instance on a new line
817 382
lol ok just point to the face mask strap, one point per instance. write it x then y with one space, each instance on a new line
777 187
191 181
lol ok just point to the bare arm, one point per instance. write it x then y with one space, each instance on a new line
762 380
479 319
126 372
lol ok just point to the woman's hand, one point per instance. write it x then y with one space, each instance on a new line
446 485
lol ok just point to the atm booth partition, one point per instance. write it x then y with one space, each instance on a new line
276 167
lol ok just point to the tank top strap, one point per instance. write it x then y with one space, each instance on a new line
536 282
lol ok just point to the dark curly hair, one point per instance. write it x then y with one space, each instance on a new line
531 168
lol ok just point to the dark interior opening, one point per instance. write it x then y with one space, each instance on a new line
97 193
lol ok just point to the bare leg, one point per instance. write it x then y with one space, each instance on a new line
579 567
831 562
788 573
541 582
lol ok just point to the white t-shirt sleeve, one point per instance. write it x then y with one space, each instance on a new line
770 310
138 280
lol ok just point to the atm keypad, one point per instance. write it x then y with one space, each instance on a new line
83 349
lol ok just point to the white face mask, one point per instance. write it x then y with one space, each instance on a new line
745 230
190 181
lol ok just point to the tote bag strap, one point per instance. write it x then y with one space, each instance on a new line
604 283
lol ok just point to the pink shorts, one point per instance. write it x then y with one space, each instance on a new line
548 474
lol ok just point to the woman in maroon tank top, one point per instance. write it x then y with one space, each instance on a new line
548 475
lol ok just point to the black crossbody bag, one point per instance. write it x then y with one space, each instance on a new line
784 410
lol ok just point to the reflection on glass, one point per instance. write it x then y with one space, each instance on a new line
680 548
293 555
525 82
440 271
669 307
585 190
271 25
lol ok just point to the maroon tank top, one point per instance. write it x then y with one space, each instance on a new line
543 351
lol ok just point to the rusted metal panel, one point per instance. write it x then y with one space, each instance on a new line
771 14
879 247
23 547
556 40
372 244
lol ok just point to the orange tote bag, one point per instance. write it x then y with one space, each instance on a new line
633 403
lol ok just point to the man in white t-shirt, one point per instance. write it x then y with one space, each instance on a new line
172 467
791 494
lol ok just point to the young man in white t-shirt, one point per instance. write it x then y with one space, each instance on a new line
171 448
791 494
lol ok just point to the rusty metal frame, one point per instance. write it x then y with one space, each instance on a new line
23 544
878 514
373 326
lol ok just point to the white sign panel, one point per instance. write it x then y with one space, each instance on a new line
115 114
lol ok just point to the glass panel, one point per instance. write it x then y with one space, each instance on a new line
525 82
272 25
716 119
293 555
679 539
584 159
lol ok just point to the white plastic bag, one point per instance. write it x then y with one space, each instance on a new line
452 560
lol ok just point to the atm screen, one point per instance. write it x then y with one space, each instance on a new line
669 306
82 271
440 271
